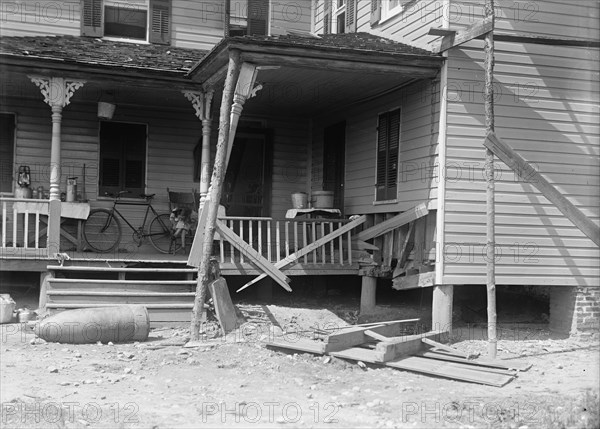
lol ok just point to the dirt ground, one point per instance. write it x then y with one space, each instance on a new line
237 381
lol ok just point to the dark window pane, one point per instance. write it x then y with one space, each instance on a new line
125 21
7 141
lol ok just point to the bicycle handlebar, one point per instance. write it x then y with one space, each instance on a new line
147 197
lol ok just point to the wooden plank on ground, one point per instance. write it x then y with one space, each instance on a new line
414 281
313 246
397 221
508 366
518 164
375 335
402 346
300 344
354 336
450 370
223 305
452 40
254 256
447 348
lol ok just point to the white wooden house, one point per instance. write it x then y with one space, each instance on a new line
368 110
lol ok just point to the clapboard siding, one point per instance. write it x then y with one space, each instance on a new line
564 19
418 149
29 18
195 24
546 108
289 15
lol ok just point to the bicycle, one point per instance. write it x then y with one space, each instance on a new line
102 230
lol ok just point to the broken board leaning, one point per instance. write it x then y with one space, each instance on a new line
224 308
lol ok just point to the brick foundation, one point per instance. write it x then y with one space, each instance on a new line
574 309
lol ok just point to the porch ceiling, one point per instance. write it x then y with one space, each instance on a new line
306 76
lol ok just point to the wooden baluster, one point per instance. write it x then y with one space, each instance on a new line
3 223
313 230
287 239
260 237
305 240
250 241
37 229
26 230
241 222
231 248
278 241
14 227
222 248
332 243
269 241
324 247
349 234
341 242
295 236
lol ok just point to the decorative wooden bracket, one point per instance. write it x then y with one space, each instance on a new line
201 101
57 91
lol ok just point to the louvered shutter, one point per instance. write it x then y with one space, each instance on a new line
258 15
327 17
160 22
381 157
392 156
375 11
91 18
351 16
388 146
227 17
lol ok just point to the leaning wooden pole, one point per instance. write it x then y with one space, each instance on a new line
214 194
489 175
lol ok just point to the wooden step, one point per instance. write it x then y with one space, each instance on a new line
160 314
76 268
119 293
121 282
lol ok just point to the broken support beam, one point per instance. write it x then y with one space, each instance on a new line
474 31
396 222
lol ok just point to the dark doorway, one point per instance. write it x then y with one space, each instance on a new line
247 187
334 150
7 143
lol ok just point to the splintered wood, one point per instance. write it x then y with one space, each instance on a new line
389 344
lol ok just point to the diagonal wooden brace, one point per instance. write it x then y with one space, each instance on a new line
313 246
270 269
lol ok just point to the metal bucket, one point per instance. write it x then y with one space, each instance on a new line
322 199
300 200
7 308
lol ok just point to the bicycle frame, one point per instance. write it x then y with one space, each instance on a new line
114 210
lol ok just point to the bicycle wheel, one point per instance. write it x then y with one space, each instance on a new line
102 230
160 234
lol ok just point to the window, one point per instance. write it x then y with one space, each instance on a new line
390 8
246 17
339 16
131 20
7 144
122 158
388 145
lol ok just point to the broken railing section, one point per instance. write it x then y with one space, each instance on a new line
394 345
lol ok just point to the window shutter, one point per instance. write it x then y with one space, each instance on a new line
393 148
227 17
327 17
375 11
258 15
351 16
381 157
91 18
160 22
388 145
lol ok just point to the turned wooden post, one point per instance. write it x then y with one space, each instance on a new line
214 195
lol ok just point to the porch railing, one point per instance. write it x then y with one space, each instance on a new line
24 225
276 239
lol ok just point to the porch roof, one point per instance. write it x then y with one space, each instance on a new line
83 57
358 52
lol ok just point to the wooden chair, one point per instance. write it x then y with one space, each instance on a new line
190 201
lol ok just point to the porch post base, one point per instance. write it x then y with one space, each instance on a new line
367 294
441 310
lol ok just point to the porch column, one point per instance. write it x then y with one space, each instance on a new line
57 92
244 90
367 294
201 101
